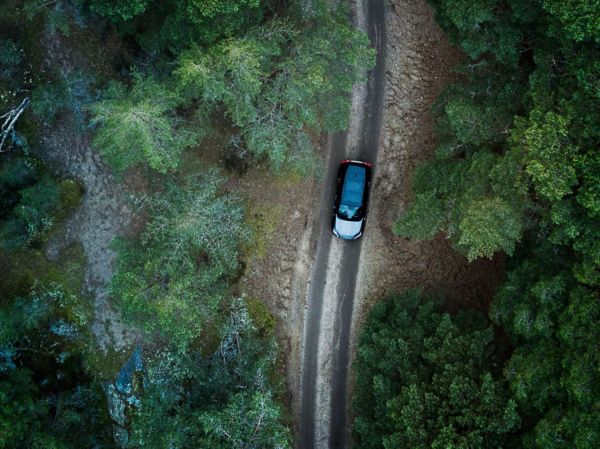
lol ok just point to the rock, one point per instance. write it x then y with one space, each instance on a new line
116 404
124 382
120 435
121 395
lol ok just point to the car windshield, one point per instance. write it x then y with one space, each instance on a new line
348 212
352 192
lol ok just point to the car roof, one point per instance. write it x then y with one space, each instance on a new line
354 185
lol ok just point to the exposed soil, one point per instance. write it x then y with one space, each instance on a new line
104 212
419 63
279 273
419 66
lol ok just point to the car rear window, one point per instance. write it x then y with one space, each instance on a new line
352 191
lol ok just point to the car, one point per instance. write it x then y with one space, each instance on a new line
350 205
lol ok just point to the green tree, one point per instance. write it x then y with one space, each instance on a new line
487 27
276 84
119 9
514 136
425 379
32 201
46 397
279 81
525 179
203 22
553 322
141 125
177 24
247 420
222 397
578 19
18 408
480 233
472 201
548 154
175 277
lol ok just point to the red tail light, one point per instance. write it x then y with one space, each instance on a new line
347 161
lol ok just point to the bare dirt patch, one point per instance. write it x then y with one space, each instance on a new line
104 212
277 271
419 65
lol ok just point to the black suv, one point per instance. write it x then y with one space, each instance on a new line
350 206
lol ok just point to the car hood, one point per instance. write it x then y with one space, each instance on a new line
347 229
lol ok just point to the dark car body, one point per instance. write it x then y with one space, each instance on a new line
351 199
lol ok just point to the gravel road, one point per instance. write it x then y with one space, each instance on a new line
324 420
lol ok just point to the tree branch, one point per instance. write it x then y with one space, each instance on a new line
10 121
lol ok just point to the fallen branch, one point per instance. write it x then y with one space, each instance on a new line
10 120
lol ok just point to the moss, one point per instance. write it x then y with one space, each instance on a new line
210 338
261 316
23 268
70 193
288 178
104 365
70 196
72 262
262 220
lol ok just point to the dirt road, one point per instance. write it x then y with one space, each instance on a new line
324 417
305 276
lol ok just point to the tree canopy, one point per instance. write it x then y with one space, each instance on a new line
280 81
176 24
220 397
47 399
516 170
172 281
141 125
553 321
275 85
426 379
147 80
517 137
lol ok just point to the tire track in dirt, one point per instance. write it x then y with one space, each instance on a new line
419 66
324 414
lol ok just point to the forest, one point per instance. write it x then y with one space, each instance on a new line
516 171
264 77
516 175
